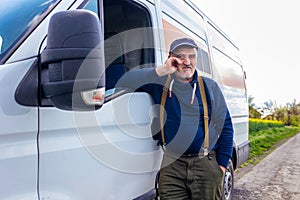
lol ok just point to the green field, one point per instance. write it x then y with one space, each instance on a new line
264 136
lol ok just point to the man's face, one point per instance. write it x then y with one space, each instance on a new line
187 67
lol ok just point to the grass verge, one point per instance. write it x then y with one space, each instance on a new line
263 142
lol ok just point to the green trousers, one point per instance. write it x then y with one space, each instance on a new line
190 177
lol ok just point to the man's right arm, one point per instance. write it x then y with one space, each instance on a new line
135 79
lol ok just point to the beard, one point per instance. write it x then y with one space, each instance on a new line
183 75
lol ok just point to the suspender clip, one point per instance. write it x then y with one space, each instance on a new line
205 152
164 147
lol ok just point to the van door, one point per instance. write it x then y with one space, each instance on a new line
19 43
23 26
108 153
18 134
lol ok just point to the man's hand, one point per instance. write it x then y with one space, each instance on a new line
223 169
169 67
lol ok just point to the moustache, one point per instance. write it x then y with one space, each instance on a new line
187 67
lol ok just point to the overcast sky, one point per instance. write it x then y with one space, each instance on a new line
268 35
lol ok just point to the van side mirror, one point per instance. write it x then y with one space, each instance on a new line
73 68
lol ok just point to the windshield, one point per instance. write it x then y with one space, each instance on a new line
18 17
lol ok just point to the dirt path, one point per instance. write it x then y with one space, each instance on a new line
277 177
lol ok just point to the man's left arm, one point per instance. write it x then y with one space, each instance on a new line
222 119
225 142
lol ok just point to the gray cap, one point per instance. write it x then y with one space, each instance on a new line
183 42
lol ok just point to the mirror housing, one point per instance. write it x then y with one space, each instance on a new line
73 69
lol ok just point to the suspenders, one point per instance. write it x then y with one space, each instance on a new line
204 102
161 111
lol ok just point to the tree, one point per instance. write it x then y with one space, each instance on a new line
293 113
269 108
279 113
288 114
253 113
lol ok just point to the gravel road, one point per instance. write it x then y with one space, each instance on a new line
277 177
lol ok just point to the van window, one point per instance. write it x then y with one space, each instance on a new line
203 61
92 6
17 18
128 39
221 42
229 71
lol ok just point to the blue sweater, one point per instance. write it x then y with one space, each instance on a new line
184 122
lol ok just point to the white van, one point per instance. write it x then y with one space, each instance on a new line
66 130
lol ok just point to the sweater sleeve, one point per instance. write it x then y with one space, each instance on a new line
136 79
225 142
224 145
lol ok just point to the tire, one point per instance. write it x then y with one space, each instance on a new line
228 182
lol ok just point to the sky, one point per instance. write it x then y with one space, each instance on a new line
268 36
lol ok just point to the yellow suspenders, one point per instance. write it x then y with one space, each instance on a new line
204 102
161 109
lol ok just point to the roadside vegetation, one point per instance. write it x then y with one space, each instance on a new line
270 126
265 136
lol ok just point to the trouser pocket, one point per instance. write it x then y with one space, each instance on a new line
209 178
212 161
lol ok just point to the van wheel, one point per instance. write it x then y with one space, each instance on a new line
228 182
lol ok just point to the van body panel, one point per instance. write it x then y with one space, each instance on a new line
88 150
18 136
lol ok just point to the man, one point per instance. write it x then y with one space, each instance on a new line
187 171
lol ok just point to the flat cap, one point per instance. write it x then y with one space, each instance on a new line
183 42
